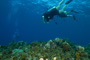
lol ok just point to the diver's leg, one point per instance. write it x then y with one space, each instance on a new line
59 5
64 7
68 2
72 11
71 16
60 11
69 12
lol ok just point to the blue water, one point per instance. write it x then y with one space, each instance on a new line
20 20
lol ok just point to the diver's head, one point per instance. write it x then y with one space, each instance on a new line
45 17
45 20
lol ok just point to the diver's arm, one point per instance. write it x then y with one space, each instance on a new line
43 19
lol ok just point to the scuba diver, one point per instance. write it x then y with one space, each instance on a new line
49 14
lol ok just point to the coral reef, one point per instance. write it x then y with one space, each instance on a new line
57 49
50 45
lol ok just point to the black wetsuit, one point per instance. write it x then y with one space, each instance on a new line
50 14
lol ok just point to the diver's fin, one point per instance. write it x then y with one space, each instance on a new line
74 11
68 2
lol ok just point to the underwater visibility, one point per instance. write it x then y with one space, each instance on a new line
44 30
